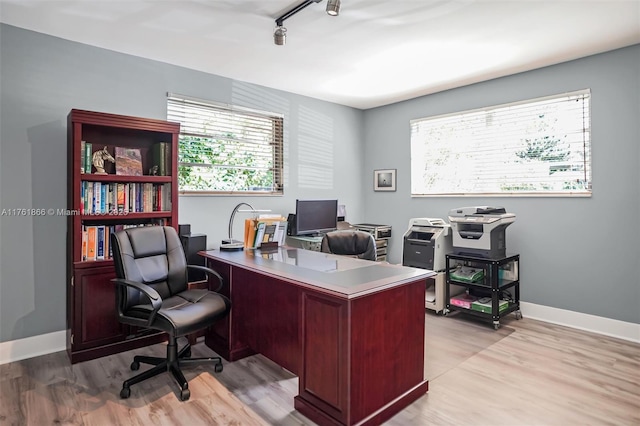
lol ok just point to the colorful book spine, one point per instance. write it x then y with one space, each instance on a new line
83 155
91 242
84 243
100 242
88 157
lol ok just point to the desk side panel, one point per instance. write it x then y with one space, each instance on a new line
222 336
387 349
324 380
271 315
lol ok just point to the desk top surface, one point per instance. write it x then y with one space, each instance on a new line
344 276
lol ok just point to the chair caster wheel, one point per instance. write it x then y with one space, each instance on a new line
187 354
135 365
125 393
185 394
218 368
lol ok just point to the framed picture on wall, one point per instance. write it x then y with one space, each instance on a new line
384 180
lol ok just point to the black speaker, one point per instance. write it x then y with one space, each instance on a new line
184 229
192 244
291 225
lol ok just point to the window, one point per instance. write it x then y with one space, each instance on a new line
225 149
535 147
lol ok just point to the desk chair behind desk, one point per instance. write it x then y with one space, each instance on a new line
152 292
354 243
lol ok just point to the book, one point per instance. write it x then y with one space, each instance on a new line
161 155
100 242
83 156
84 243
128 161
120 197
97 192
91 242
88 157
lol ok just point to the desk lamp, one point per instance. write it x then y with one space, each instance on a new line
231 244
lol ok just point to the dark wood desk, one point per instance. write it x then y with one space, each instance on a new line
351 330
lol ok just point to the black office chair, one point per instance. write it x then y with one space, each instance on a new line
358 244
152 292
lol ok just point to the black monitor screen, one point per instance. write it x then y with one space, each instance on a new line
316 216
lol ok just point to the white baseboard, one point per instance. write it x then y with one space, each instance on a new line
43 344
600 325
30 347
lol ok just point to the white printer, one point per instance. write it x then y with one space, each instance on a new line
480 231
426 243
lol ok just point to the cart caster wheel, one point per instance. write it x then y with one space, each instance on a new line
135 365
185 394
518 315
218 368
496 326
125 393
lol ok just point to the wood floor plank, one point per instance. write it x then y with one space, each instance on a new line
525 373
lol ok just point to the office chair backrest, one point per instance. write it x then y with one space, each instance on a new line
359 244
152 255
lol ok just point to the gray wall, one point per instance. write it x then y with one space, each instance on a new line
42 78
579 254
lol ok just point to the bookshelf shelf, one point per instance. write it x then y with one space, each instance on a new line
137 146
119 178
121 216
92 263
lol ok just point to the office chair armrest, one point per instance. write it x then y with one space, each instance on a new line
154 296
209 272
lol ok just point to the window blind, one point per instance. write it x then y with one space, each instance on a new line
533 147
227 149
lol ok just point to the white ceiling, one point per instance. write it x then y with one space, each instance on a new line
375 53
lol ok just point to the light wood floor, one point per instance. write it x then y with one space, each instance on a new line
526 373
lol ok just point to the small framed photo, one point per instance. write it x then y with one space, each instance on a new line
384 180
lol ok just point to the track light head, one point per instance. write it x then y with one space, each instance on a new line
333 7
280 33
280 36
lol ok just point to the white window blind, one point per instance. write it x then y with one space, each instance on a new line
534 147
224 149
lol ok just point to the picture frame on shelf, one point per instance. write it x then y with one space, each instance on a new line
128 161
384 180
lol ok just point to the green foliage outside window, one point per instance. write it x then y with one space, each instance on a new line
224 166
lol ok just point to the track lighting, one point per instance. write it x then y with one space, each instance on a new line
333 7
280 36
280 33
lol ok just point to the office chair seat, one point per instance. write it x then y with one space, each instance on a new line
353 243
187 312
153 292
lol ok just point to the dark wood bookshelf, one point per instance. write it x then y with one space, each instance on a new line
92 327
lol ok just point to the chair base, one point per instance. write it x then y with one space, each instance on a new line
172 363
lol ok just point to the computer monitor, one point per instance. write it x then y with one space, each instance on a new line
315 217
